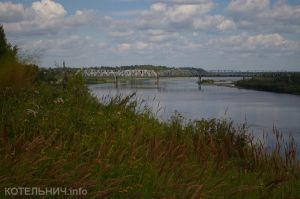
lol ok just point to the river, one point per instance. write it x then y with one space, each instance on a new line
262 111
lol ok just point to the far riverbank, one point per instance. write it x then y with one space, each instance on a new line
283 84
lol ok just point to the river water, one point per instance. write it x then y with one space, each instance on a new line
262 111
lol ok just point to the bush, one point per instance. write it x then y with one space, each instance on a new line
13 74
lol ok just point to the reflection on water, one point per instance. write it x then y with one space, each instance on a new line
260 110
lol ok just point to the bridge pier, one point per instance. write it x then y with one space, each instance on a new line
199 79
116 80
157 79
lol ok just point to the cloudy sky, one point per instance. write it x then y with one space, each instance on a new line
232 34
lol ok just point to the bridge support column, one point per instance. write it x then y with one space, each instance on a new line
116 80
199 79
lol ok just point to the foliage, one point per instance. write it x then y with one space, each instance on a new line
13 74
52 136
281 84
7 51
207 81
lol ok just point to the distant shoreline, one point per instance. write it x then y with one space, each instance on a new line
278 85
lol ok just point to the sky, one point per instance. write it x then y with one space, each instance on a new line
210 34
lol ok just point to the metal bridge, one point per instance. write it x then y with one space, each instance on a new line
181 73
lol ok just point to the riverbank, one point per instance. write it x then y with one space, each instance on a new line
290 84
226 83
55 136
61 136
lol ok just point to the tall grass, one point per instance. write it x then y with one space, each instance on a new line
55 136
16 75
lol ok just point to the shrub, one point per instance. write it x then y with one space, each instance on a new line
13 74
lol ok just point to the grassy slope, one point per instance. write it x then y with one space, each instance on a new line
50 136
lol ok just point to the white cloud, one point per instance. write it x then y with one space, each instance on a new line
162 36
158 7
171 16
179 12
246 7
48 9
187 1
226 25
260 43
121 33
141 45
266 17
124 46
266 41
284 12
135 46
185 11
10 12
43 17
216 22
102 45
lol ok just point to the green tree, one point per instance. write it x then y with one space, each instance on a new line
8 52
13 73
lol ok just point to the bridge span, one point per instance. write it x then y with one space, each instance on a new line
94 73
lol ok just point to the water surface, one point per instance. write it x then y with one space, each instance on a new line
262 111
